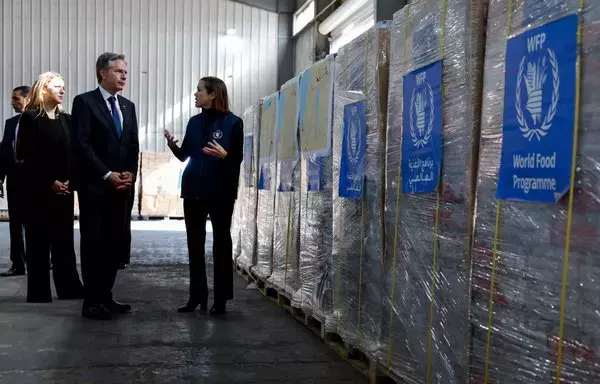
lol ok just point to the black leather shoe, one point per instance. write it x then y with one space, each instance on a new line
95 312
191 307
116 307
122 266
13 272
218 309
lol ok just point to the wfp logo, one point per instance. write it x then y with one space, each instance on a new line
354 140
421 122
533 78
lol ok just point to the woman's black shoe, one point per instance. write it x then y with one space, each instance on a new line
191 307
218 309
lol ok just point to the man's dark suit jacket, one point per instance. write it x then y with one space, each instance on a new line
97 148
7 155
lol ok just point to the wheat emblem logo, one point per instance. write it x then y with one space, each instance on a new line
419 101
354 141
534 78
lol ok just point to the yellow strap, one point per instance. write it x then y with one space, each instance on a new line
488 346
565 271
339 274
437 221
397 216
287 242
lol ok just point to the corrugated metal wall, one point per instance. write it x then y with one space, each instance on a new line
169 45
305 49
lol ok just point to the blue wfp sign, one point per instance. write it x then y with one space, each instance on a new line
352 166
539 113
422 129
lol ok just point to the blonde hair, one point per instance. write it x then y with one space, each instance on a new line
36 95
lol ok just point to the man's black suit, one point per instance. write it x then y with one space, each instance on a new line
9 170
98 149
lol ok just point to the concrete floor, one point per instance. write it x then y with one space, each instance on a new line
257 342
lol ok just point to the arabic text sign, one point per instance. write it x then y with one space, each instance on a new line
422 129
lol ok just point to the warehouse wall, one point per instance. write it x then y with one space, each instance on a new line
169 45
305 49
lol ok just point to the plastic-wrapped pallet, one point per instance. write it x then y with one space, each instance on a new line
360 112
535 310
316 216
248 192
160 189
432 140
286 232
267 167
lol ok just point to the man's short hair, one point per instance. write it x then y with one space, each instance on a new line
23 90
104 61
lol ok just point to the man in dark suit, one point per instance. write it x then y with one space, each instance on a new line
9 170
106 147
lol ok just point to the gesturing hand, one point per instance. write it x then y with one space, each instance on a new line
214 149
171 142
61 188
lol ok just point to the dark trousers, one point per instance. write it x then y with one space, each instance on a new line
102 221
220 212
16 218
49 228
126 257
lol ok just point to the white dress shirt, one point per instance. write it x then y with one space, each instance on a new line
106 95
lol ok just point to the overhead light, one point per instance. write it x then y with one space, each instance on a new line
230 31
348 8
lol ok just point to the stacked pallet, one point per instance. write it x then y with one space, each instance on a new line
316 216
267 183
535 261
286 231
359 121
433 133
245 229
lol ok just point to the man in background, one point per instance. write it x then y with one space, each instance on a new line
9 170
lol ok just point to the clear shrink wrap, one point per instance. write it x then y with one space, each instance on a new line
316 210
535 311
425 334
360 112
267 168
160 185
247 203
286 232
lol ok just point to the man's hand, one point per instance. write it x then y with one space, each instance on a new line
214 149
61 188
128 176
119 181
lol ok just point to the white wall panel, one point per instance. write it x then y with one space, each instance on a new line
305 49
169 45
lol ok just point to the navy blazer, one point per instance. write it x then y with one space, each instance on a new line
206 177
7 155
97 148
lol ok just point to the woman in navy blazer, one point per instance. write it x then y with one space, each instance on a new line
213 145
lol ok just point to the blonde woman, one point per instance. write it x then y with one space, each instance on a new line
43 143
